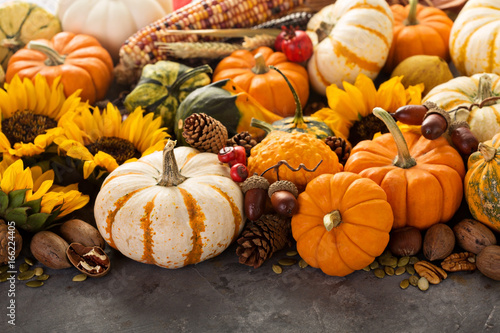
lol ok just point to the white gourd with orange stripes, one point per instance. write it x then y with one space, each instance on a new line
358 43
171 225
474 38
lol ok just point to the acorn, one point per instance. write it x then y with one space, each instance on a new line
283 194
255 190
435 123
462 137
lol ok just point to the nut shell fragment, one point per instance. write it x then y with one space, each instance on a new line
92 261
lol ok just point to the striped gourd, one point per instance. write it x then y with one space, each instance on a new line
170 209
474 38
353 37
481 184
141 49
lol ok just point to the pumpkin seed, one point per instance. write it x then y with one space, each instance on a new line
277 269
389 270
413 280
42 277
4 269
400 270
23 267
303 263
38 271
29 261
4 276
423 284
366 269
389 261
471 259
80 277
379 272
292 253
410 269
374 265
387 253
413 260
403 261
404 284
34 283
26 275
287 262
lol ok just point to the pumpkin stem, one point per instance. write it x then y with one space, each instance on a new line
298 118
332 220
488 152
403 160
174 89
257 123
53 57
484 90
260 65
412 14
170 175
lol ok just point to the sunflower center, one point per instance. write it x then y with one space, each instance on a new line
365 128
119 148
25 126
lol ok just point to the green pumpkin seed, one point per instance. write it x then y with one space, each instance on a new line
292 253
38 271
379 272
42 277
303 263
29 261
26 275
423 284
287 262
277 269
366 269
403 261
400 270
80 277
34 284
389 261
404 284
413 280
410 269
4 276
389 270
386 254
4 269
413 260
23 267
374 265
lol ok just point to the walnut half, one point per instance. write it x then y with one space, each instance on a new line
458 262
431 272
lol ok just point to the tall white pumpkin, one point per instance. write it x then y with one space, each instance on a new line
170 209
359 41
474 38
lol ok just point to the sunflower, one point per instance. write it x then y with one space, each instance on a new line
30 199
350 109
102 139
30 114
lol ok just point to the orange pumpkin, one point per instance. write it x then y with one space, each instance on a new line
343 223
423 178
79 59
251 72
418 30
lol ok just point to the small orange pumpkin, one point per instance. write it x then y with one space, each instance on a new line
418 30
79 59
423 178
343 223
251 72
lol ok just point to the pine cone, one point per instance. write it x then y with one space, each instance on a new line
340 147
243 139
262 237
204 133
6 239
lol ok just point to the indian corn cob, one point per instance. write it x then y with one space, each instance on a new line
140 49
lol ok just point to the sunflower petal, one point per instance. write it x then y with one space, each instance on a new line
9 177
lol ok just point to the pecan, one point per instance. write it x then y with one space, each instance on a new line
92 261
432 273
457 262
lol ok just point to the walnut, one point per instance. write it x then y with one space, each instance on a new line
431 272
457 262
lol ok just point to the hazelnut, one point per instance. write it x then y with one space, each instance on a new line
473 236
79 231
50 249
488 262
439 242
406 241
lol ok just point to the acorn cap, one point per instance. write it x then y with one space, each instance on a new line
255 181
440 111
430 105
456 124
283 185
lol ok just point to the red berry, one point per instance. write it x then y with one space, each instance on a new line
240 156
226 154
238 172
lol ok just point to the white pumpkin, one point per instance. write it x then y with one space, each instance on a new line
465 91
110 21
359 41
150 212
474 38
